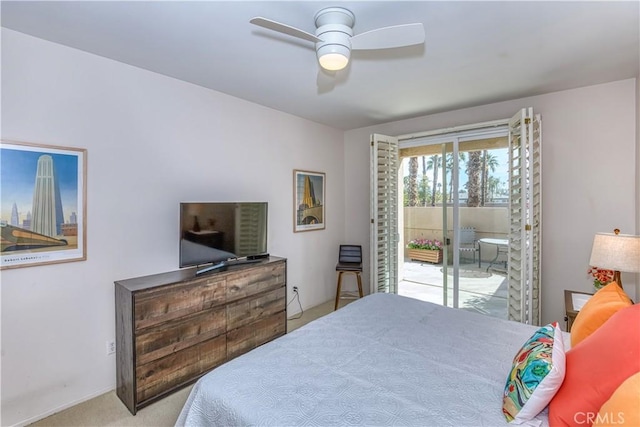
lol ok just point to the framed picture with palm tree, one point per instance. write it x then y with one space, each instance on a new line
308 200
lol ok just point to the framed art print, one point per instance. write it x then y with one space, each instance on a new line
42 204
308 200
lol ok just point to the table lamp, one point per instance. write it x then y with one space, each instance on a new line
617 252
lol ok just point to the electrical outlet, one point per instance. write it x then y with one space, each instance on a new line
111 347
295 289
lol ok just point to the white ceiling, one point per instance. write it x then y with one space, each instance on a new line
475 52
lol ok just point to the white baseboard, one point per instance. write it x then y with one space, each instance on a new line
61 408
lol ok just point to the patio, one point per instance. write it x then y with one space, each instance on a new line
480 290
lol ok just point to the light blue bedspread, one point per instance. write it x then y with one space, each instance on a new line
384 360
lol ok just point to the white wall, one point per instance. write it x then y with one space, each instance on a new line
589 166
152 142
638 172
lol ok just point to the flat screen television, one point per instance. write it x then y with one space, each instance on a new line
212 232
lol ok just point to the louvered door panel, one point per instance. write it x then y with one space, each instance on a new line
524 217
384 214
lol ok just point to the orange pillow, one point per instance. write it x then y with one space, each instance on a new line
598 310
623 408
596 368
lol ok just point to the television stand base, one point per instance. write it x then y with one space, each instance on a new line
224 264
211 268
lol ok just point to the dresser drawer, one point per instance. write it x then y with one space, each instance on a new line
164 374
249 310
248 337
167 338
255 280
174 327
155 306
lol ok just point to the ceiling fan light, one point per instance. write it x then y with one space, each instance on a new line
333 57
333 61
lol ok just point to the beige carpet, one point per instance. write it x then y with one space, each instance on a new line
108 410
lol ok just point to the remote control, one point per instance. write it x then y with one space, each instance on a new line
258 256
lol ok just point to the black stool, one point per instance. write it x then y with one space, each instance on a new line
349 261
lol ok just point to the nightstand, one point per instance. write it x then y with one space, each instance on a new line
573 302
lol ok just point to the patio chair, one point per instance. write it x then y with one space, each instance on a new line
468 241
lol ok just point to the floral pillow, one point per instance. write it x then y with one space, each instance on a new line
537 374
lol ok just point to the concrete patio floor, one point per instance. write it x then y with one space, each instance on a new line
479 291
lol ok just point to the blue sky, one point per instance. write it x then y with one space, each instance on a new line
17 180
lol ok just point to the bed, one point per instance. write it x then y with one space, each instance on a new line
381 360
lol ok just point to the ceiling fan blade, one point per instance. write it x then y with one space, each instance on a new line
283 28
389 37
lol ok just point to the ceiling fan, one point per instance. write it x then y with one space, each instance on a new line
334 37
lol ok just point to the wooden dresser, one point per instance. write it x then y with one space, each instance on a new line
174 327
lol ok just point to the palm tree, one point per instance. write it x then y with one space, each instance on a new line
489 162
474 169
462 158
405 189
493 184
413 182
433 163
424 185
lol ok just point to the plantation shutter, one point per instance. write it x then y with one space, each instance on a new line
384 214
525 210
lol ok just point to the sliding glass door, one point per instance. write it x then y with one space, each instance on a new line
426 212
455 192
455 217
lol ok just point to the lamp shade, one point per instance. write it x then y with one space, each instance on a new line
619 252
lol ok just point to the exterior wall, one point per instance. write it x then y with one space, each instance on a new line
426 223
